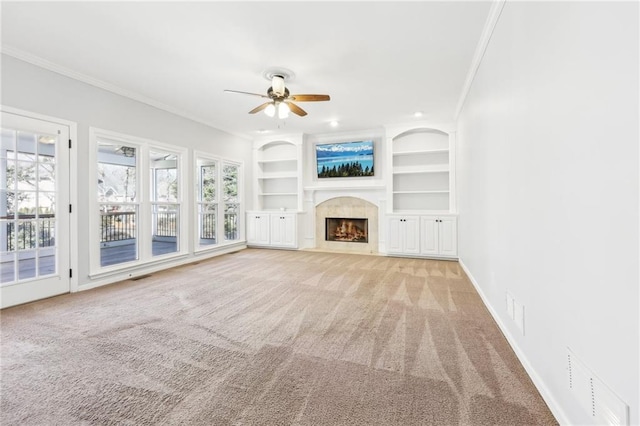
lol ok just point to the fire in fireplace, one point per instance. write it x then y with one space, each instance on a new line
346 229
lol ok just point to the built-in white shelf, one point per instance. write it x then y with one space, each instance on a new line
421 173
283 175
435 168
422 192
283 160
278 175
419 151
346 188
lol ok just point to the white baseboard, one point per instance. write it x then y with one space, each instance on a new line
148 269
547 395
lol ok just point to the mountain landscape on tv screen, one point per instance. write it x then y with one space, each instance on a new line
346 159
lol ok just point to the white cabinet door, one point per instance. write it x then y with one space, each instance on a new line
411 235
439 236
429 233
290 237
404 235
283 230
258 228
394 239
447 240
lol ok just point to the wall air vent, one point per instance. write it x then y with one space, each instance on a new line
594 396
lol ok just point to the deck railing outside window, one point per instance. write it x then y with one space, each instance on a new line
165 224
231 226
208 224
28 231
117 226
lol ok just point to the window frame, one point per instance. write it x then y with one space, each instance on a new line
221 242
143 201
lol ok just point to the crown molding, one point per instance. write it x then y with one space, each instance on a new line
67 72
481 47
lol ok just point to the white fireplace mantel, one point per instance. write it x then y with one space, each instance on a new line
346 188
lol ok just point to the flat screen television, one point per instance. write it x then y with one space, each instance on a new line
345 159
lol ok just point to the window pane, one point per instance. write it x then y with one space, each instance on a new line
207 191
231 222
11 174
27 264
46 233
7 236
46 176
47 147
27 233
26 147
46 204
26 203
7 203
118 234
164 176
8 267
25 178
166 185
47 261
8 143
165 229
116 173
164 188
208 224
230 183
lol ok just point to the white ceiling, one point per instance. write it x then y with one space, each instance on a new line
379 61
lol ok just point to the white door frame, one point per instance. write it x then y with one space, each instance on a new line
73 186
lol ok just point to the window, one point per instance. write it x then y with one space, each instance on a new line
138 214
207 202
165 208
118 202
218 201
231 201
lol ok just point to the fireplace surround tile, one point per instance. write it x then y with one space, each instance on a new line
347 207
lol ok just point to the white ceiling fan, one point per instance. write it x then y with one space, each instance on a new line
280 100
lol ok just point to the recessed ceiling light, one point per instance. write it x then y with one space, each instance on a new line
418 114
333 123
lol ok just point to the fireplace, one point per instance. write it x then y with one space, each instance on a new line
349 209
344 229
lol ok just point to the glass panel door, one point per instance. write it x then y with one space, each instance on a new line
34 213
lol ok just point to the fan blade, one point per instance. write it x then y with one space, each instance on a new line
260 108
296 109
246 93
309 98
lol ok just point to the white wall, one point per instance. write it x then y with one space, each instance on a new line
35 89
548 190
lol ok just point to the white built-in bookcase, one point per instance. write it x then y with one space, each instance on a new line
421 173
278 174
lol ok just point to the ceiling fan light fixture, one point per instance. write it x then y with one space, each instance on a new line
280 102
283 110
270 110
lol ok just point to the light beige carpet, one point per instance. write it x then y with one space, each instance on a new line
267 337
